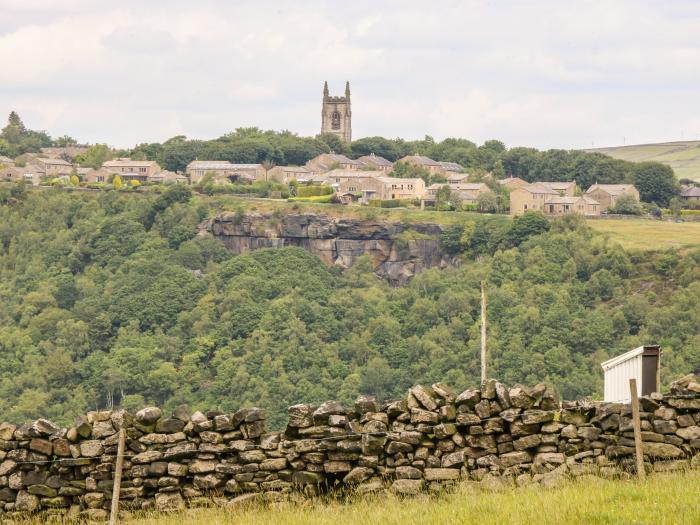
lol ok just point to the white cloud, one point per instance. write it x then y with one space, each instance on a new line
530 73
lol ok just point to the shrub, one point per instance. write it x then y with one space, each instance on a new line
313 191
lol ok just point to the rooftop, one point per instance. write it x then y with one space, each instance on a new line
128 162
612 189
692 191
375 159
450 166
420 159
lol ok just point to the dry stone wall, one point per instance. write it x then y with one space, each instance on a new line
431 438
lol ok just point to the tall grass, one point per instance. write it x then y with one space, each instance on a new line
663 499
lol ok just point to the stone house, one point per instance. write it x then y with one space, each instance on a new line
396 188
424 162
607 194
52 167
467 192
563 204
328 161
29 174
376 162
286 174
224 171
466 196
530 197
373 186
127 169
98 175
562 188
690 195
513 183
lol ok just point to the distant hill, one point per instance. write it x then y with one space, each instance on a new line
683 157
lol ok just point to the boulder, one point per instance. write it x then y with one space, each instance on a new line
149 415
425 396
358 475
169 501
26 502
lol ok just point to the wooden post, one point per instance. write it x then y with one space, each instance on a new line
641 474
483 333
116 490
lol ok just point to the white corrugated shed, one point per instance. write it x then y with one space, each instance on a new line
619 370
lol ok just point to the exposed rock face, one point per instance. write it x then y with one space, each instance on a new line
336 241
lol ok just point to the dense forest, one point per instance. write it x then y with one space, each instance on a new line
100 305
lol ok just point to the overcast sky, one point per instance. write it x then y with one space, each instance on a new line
537 73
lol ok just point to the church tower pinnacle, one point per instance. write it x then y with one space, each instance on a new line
336 115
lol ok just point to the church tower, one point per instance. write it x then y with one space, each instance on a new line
336 114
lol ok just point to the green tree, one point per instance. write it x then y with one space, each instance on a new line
656 182
95 156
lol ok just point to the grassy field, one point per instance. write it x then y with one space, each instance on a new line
664 499
646 234
683 157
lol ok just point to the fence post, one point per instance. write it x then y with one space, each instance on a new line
641 474
116 489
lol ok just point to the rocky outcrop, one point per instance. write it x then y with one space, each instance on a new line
431 438
397 251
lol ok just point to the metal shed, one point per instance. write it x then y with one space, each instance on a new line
642 363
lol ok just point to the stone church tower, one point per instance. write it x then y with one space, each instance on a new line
336 114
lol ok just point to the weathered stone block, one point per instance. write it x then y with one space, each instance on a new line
441 474
407 486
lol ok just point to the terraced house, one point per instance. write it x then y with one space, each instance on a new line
224 171
607 194
127 169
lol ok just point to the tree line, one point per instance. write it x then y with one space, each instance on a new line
656 182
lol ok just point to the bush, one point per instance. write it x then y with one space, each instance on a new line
313 191
626 205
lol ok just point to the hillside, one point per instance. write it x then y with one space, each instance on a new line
100 304
683 157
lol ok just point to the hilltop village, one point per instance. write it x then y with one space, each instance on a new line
330 169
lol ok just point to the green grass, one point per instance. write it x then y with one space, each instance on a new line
643 234
683 157
406 215
664 499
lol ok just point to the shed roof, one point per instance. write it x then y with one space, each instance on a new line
613 362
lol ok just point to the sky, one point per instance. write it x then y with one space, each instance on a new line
572 74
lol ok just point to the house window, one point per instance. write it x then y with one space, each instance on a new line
100 178
142 170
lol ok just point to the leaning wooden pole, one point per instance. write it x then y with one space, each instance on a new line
116 490
641 474
483 333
